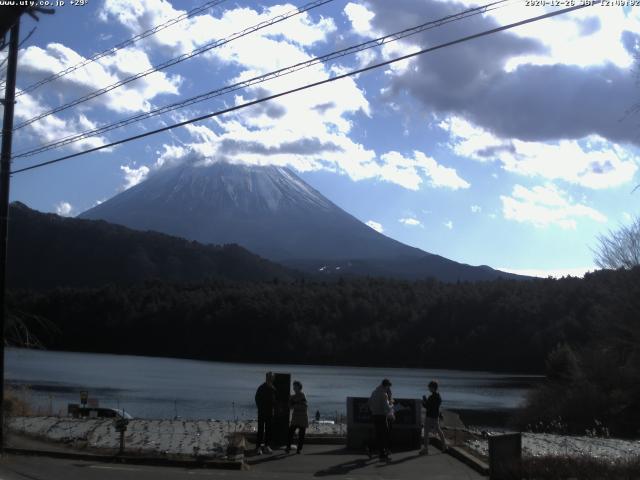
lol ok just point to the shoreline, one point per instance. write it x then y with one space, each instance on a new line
510 373
210 438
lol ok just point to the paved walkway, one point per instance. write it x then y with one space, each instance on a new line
334 461
317 461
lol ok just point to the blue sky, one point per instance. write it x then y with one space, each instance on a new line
515 151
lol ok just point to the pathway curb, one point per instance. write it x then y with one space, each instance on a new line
160 462
468 459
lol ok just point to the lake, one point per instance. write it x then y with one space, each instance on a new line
152 387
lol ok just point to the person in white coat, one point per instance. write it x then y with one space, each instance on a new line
380 406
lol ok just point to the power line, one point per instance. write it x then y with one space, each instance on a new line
311 85
176 60
4 69
265 77
121 45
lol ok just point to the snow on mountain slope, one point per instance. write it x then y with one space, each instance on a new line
267 209
274 213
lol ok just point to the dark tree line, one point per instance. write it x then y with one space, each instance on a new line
46 251
502 325
593 384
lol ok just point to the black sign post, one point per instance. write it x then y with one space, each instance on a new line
282 382
121 427
505 456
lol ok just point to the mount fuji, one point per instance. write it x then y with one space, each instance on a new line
272 212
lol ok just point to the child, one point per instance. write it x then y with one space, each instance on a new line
432 419
299 417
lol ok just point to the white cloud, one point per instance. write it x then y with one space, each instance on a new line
566 40
64 209
550 272
627 216
448 224
360 18
37 63
476 208
409 172
201 29
133 176
309 130
53 127
591 162
366 57
546 205
376 226
410 222
396 49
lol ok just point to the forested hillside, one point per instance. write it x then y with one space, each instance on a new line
502 325
46 250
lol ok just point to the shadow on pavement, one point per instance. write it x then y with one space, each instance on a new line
390 463
346 451
343 468
338 451
258 459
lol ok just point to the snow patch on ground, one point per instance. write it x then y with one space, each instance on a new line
544 444
146 437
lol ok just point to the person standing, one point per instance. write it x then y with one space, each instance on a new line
299 416
432 417
380 406
266 402
391 417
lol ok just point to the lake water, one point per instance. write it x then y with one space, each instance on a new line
150 387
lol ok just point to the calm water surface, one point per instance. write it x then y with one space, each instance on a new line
151 387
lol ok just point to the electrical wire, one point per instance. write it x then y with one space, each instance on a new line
265 77
4 60
176 60
121 45
311 85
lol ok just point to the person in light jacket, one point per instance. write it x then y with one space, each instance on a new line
299 416
380 406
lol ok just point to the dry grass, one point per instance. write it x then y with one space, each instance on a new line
580 468
16 401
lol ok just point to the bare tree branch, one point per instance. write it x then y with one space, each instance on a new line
619 248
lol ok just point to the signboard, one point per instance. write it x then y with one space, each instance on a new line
84 395
505 456
360 410
406 429
280 432
407 412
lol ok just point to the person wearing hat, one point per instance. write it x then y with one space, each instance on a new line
380 406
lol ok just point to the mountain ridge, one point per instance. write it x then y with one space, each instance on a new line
272 212
48 251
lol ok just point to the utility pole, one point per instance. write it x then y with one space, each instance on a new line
5 176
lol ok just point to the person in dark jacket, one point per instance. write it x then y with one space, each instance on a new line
266 402
432 417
